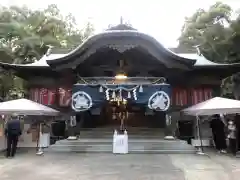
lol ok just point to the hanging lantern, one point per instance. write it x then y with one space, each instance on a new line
129 95
141 89
100 89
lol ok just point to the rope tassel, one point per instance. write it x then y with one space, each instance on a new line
113 95
120 94
100 89
129 95
141 89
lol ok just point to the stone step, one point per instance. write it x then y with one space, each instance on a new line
128 129
160 131
109 141
96 133
130 146
135 146
158 136
145 151
111 132
138 151
140 140
131 130
108 149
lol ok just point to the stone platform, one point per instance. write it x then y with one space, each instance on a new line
141 140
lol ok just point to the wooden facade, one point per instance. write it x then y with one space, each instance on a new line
122 48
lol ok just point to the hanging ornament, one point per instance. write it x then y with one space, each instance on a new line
129 95
113 95
135 94
141 89
120 94
100 89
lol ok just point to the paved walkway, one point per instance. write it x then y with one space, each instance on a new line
120 167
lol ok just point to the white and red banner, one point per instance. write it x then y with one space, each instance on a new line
51 96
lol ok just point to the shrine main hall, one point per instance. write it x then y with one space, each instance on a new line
123 78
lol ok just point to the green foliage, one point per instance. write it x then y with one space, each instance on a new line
216 32
26 35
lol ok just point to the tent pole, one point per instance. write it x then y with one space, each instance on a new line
40 150
200 152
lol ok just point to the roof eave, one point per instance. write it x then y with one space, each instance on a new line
221 70
111 34
215 66
8 66
26 72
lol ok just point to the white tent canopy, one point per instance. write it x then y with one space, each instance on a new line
26 107
215 105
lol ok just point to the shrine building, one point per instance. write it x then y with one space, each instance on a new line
122 65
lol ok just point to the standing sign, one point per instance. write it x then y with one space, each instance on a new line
120 143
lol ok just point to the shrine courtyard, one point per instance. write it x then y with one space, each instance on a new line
73 166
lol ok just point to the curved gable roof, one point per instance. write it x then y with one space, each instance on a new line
120 37
119 34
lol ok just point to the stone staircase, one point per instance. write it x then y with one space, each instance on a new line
140 140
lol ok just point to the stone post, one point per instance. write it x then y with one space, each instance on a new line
168 128
71 125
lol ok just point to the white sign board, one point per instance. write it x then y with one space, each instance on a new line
120 143
44 140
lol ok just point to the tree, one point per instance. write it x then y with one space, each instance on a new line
26 35
216 32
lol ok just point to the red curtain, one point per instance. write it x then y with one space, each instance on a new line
208 93
179 97
200 95
197 95
34 94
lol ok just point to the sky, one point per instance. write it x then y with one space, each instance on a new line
162 19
